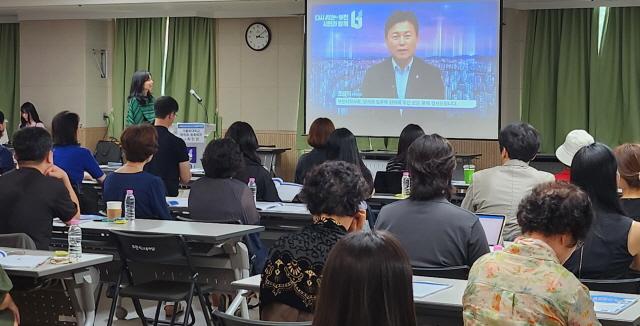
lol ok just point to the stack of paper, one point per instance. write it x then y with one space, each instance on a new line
23 261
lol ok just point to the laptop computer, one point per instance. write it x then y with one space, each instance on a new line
492 225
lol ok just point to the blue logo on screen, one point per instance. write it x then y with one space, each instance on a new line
356 19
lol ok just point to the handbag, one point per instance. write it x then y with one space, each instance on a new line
108 151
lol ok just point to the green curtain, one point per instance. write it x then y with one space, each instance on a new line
615 97
138 45
555 96
191 65
10 77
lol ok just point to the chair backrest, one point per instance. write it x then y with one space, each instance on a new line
223 319
631 285
455 272
287 191
388 182
17 240
151 248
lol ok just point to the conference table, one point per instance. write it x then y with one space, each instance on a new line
276 218
216 248
80 282
445 307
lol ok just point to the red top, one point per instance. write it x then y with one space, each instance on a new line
564 175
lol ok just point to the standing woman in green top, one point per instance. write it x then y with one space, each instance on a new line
140 108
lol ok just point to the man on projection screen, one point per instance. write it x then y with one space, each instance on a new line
403 75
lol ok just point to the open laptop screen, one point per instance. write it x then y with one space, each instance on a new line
492 225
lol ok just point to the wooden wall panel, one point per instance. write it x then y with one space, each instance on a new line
286 166
89 137
489 149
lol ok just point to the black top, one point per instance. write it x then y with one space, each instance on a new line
435 233
29 201
172 151
308 161
605 254
396 165
266 188
293 272
425 81
222 200
631 206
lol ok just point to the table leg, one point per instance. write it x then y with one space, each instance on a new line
81 288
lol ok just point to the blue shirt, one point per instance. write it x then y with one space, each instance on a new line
6 160
75 160
148 189
402 77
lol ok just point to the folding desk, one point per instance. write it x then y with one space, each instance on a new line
76 276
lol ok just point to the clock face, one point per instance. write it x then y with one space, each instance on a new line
258 36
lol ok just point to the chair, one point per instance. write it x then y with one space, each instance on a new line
158 249
454 272
223 319
388 182
287 191
629 285
17 240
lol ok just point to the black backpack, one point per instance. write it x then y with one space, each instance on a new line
108 151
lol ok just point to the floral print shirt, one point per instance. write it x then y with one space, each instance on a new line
525 285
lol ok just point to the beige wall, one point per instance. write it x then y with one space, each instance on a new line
58 70
261 88
514 31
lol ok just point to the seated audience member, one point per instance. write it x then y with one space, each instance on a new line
6 158
628 157
455 235
410 133
333 192
370 274
242 133
139 143
67 152
613 242
29 116
4 133
498 190
218 195
36 193
526 284
319 133
575 140
171 162
342 146
9 313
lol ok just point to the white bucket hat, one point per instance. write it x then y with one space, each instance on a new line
576 139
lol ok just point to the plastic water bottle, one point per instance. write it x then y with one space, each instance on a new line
253 187
129 206
406 184
75 242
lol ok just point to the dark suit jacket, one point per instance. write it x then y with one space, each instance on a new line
425 81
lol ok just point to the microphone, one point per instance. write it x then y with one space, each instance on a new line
195 95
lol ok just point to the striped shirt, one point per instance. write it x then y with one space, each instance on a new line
138 113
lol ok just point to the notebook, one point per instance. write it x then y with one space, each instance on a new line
609 304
